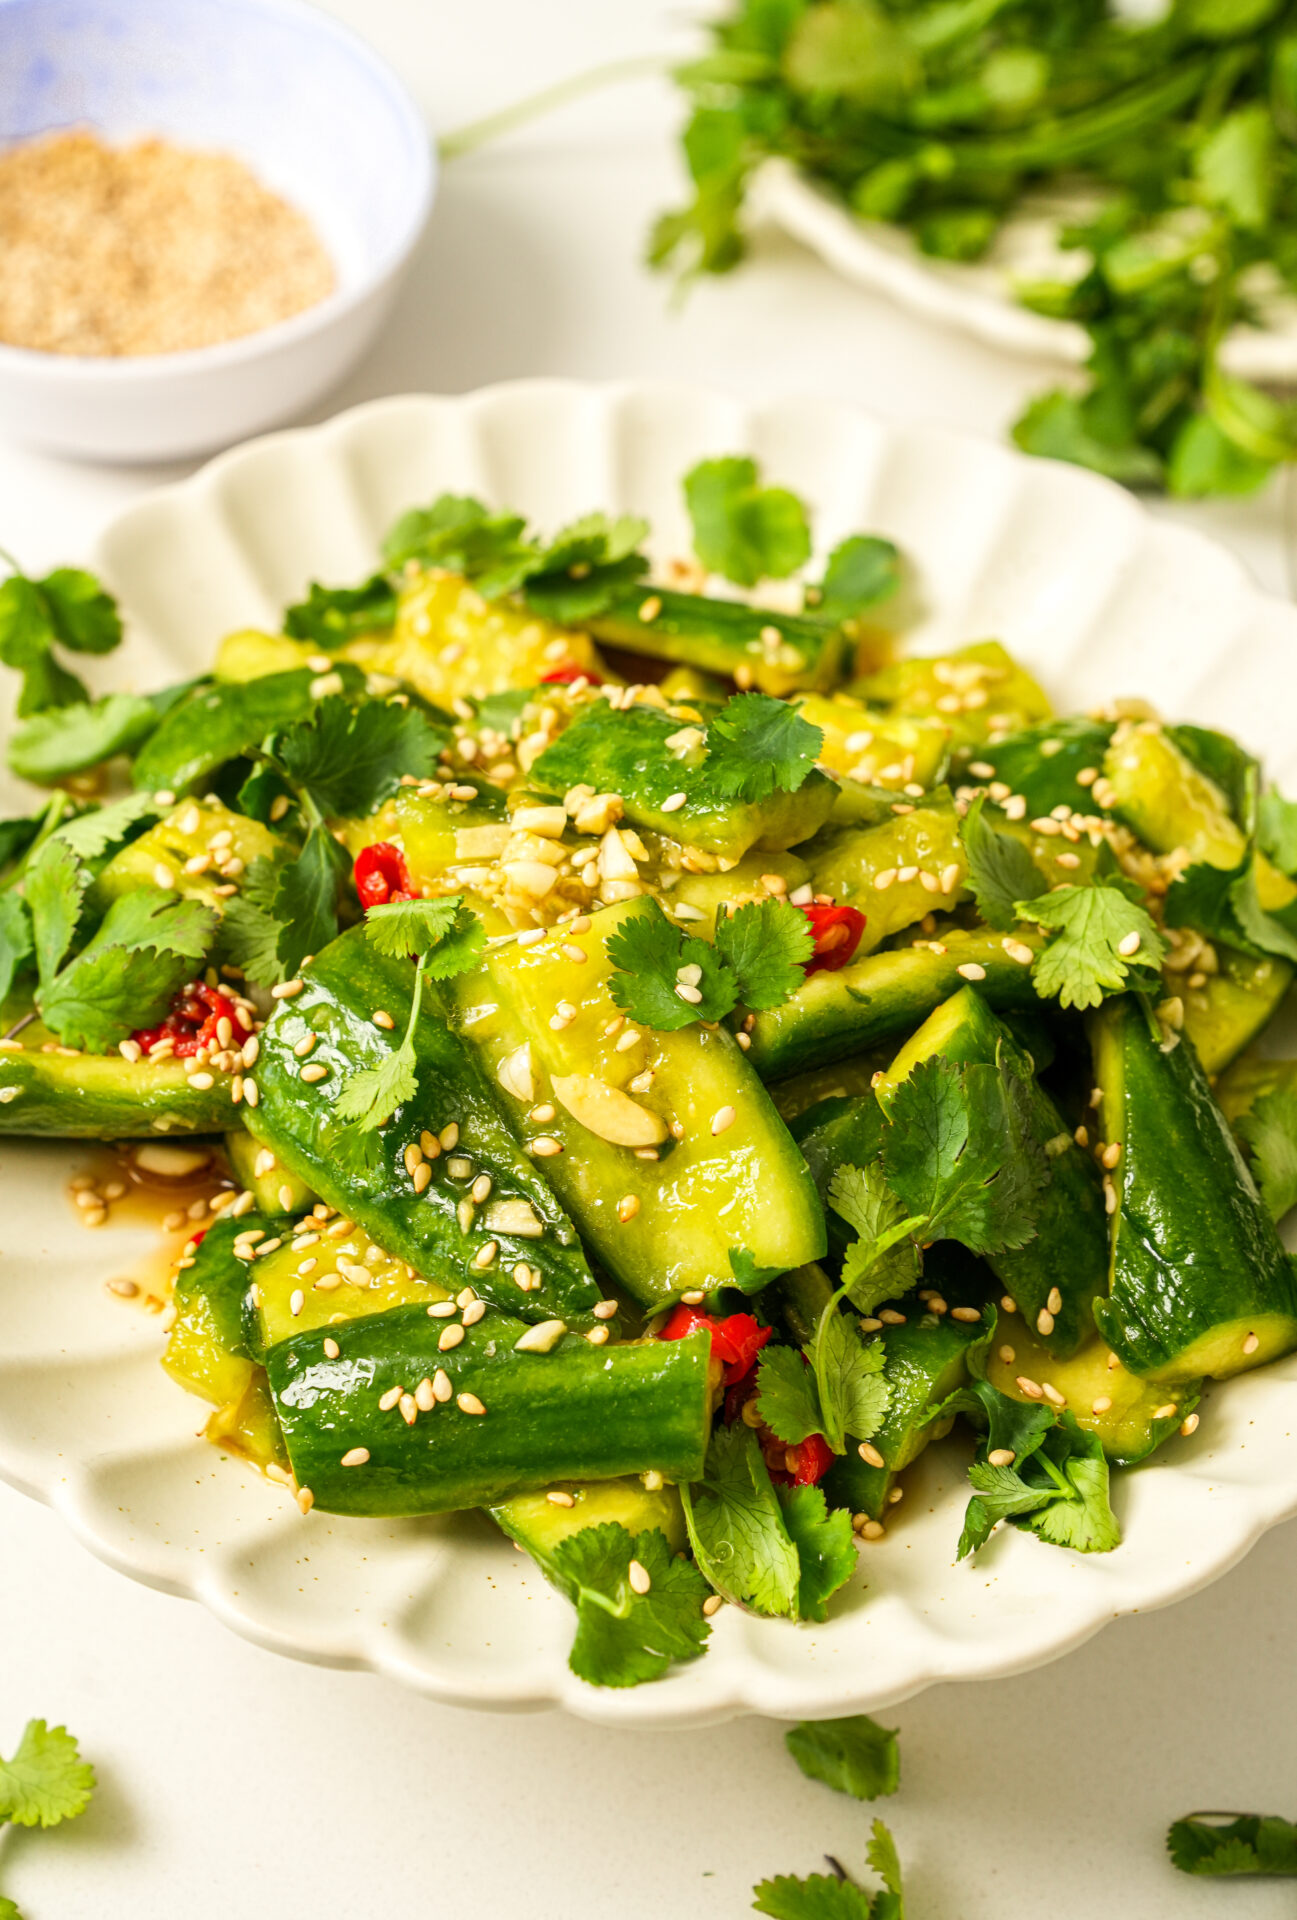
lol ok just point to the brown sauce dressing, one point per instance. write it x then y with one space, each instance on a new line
150 1197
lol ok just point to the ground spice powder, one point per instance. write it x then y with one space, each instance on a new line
147 248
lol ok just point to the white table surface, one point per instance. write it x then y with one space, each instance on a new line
237 1783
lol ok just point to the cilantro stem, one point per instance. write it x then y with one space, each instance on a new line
18 1025
492 126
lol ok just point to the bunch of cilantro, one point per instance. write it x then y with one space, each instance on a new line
1176 138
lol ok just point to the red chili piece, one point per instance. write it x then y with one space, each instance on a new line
736 1340
811 1459
381 875
565 676
837 932
196 1012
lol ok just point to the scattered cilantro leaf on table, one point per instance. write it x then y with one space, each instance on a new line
757 745
821 1896
1082 961
624 1637
46 1781
330 616
1248 1843
1270 1130
742 530
736 1527
148 945
1000 870
854 1755
765 945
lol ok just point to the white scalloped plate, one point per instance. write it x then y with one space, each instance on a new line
1098 598
978 298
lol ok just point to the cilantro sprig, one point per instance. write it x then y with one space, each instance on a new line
1232 1844
756 960
67 608
1104 942
1270 1131
625 1636
836 1896
331 616
757 745
149 944
45 1783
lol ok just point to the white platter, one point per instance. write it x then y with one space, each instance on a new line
978 298
1097 598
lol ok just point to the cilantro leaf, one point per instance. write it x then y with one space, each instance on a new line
458 532
147 947
862 571
787 1399
736 1527
305 904
848 1373
81 615
351 759
648 953
958 1150
8 1911
55 890
1083 962
1276 829
65 740
576 576
16 943
742 530
1249 1843
1000 870
624 1637
757 745
68 607
882 1857
444 933
93 834
1082 1519
872 1271
1222 902
370 1096
821 1896
17 834
825 1546
765 945
854 1755
47 1781
330 616
250 934
1270 1130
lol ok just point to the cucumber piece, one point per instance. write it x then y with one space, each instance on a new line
576 1413
250 654
183 837
1067 1260
877 749
918 855
776 652
626 751
312 1278
926 1360
883 996
450 644
1230 1010
841 1081
702 895
1138 1415
843 1132
1200 1285
536 1523
90 1096
1249 1080
207 1349
250 1427
976 691
669 1224
1042 764
343 988
274 1191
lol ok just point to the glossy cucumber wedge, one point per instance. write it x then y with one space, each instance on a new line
513 1421
539 1524
895 872
874 748
1056 1277
667 1152
177 844
1233 1005
1132 1416
776 652
631 752
451 644
411 1186
299 1279
88 1096
1200 1285
274 1188
218 723
885 995
207 1349
976 690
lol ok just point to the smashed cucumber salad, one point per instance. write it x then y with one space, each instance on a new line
676 1056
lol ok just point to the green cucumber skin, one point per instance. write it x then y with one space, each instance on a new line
1240 1000
881 997
1070 1247
720 636
540 1526
222 1279
927 1359
342 988
577 1413
103 1097
1193 1249
625 752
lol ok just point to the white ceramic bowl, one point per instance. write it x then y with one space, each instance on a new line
315 114
1097 598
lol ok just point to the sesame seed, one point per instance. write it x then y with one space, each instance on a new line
605 1310
631 1038
163 876
1008 1355
563 1015
950 877
1129 945
870 1454
318 1071
712 1605
382 1019
1111 1153
441 1387
557 1498
441 1309
966 1313
673 802
873 1530
297 1301
200 1081
251 1093
545 1145
287 989
469 1403
449 1136
1189 1425
409 1409
648 610
1032 1388
723 1118
355 1457
891 1318
869 1324
251 1048
598 1336
1019 951
1054 1397
476 1309
331 1349
694 1298
1082 1136
1001 1457
1109 1195
1055 1300
542 1115
1045 1322
639 1577
450 1337
1164 1413
389 1399
627 1207
970 970
1251 1344
1102 1404
1007 1303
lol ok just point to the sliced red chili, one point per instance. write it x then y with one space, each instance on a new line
381 875
800 1466
566 676
193 1022
737 1338
837 933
